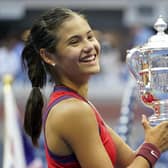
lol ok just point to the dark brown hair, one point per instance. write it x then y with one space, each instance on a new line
43 34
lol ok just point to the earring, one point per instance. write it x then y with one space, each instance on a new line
53 64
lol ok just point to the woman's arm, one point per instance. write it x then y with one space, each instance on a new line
78 128
82 133
125 155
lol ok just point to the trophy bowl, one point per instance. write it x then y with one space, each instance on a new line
149 65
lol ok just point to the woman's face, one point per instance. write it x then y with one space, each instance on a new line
77 50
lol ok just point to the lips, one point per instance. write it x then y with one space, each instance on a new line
88 58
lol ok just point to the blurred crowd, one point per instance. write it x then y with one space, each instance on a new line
11 46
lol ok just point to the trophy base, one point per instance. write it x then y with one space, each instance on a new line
155 119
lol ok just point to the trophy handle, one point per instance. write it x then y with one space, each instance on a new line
132 60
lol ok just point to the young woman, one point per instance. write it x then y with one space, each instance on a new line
63 45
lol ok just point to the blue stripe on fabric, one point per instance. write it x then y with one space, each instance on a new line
64 88
54 103
63 159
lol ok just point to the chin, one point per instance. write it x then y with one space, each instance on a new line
95 70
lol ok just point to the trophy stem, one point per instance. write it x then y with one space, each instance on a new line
160 113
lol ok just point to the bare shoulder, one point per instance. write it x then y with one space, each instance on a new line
72 113
71 107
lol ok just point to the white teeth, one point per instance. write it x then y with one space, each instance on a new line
89 58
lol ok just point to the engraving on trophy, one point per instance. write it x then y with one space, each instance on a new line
149 66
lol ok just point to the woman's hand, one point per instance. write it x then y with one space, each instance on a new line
157 135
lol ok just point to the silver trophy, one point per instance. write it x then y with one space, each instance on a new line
149 65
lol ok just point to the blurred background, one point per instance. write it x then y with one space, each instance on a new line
119 25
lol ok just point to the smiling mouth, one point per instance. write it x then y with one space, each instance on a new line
88 58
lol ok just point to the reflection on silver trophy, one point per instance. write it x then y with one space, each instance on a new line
149 66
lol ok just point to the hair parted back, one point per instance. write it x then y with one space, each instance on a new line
43 34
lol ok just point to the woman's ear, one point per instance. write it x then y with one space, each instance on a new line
47 57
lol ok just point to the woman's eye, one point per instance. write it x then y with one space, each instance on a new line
74 42
90 37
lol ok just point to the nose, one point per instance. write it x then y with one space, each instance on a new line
88 46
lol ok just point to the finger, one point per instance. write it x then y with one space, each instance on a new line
145 122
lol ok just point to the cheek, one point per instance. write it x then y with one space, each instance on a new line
97 47
73 54
70 58
69 53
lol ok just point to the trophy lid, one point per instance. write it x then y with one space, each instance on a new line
160 39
